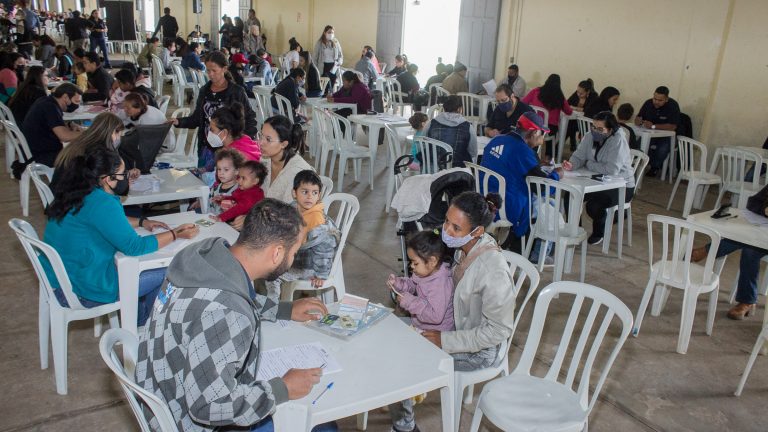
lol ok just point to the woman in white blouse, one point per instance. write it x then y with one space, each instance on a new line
328 53
137 112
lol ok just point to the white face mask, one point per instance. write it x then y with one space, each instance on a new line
456 242
330 36
214 139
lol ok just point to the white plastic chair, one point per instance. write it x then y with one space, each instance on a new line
639 162
483 179
674 269
324 81
124 370
327 187
736 163
178 158
694 173
162 104
395 149
349 206
10 149
53 318
345 148
35 172
15 138
554 224
432 91
284 106
434 110
324 138
441 92
522 270
523 402
158 74
471 105
182 84
759 343
258 110
397 98
429 148
544 114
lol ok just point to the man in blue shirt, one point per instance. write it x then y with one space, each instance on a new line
661 112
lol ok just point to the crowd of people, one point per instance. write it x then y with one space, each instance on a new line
460 295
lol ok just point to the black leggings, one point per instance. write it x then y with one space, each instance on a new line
597 202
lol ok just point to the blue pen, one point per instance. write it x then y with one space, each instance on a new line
328 387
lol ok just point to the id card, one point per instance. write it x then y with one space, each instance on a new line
205 222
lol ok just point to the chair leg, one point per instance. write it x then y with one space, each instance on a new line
720 196
97 322
629 226
686 321
114 320
43 329
674 191
583 271
477 418
390 190
711 311
362 421
644 304
342 168
457 399
608 228
661 294
370 172
59 338
752 357
469 395
559 262
690 195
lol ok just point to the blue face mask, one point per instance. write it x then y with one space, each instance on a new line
456 242
505 106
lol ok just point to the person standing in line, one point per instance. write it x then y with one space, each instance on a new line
99 36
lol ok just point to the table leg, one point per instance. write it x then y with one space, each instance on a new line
291 417
672 170
128 282
447 397
373 145
204 192
561 133
645 142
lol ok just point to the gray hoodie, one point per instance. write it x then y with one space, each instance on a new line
613 159
453 119
199 351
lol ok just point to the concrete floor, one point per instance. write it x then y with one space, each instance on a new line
650 388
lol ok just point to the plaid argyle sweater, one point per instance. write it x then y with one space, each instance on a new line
199 352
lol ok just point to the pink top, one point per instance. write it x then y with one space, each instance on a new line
429 299
8 78
248 147
532 98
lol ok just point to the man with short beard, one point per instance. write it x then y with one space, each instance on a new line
199 351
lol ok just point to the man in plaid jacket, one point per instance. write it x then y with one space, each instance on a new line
199 351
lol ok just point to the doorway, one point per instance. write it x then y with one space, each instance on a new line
230 8
430 34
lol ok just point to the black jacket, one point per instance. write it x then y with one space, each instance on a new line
169 25
102 81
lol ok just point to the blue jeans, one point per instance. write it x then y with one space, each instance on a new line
101 43
749 268
658 152
267 425
149 285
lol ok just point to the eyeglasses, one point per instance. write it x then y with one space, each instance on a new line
114 176
599 129
261 137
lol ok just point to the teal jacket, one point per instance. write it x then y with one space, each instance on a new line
87 242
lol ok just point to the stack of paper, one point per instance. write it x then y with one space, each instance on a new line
276 362
351 311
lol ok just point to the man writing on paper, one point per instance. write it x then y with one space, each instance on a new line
199 351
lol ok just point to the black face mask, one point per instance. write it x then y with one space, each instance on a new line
20 73
71 107
121 188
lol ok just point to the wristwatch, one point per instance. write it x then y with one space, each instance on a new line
653 126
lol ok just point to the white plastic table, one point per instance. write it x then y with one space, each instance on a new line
582 180
562 131
320 102
130 267
84 112
737 229
482 141
645 143
386 363
175 185
375 125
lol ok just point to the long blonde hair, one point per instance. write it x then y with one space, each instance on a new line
98 134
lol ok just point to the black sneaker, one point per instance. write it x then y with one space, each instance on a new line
415 429
595 239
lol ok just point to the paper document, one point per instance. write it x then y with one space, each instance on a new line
351 311
276 362
490 87
754 218
144 183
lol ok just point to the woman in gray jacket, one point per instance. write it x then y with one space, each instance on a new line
605 151
328 54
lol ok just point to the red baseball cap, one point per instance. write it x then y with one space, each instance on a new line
531 121
239 58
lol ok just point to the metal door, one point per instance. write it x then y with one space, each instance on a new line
389 35
478 33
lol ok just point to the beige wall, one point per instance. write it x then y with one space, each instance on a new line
710 53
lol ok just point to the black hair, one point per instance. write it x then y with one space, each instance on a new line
167 10
287 131
260 52
476 207
452 103
32 81
154 39
229 153
513 67
44 40
9 60
193 46
417 119
307 177
504 88
79 66
78 52
125 76
71 186
608 93
428 243
551 95
297 73
68 89
349 75
293 44
136 98
167 42
587 85
625 111
412 68
662 90
231 118
219 59
609 119
268 222
257 168
368 54
92 57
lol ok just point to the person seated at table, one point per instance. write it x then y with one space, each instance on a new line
441 72
366 67
34 87
226 130
291 58
44 126
374 59
168 51
280 143
250 177
624 115
192 59
290 88
452 128
515 81
401 65
80 78
584 95
138 112
44 49
219 91
126 83
99 80
660 112
260 67
484 297
410 86
11 74
609 97
312 83
87 226
151 48
550 97
213 380
78 54
749 176
315 257
749 264
352 91
236 68
228 161
64 63
456 82
604 150
513 156
506 113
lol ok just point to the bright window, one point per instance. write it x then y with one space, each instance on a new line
431 32
230 8
150 20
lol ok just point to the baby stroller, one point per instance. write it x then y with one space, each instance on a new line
422 201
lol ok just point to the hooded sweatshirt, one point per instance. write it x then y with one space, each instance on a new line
199 352
453 129
428 299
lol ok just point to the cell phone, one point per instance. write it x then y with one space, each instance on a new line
598 177
722 211
329 319
205 222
